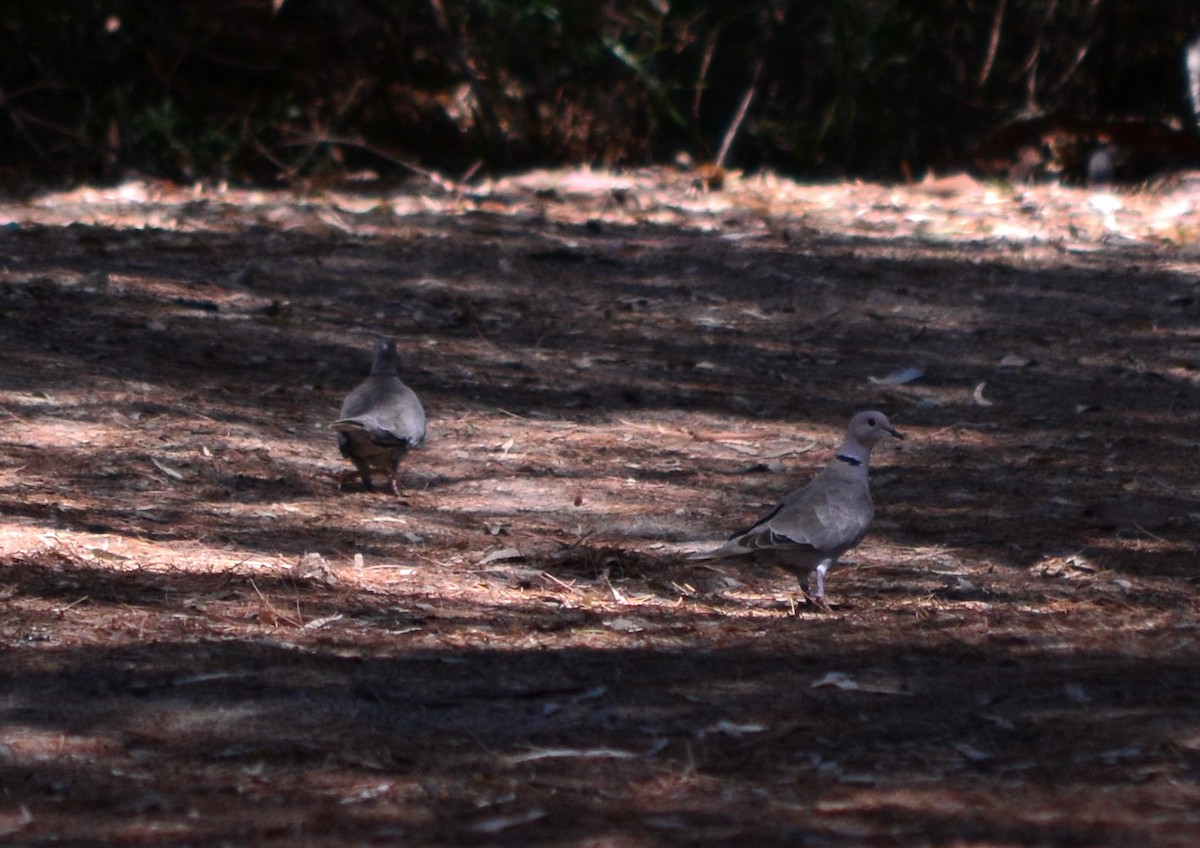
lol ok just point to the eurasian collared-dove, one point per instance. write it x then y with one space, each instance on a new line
811 527
380 420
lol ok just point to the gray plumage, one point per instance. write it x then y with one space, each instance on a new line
380 420
812 527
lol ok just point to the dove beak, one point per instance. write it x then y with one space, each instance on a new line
894 432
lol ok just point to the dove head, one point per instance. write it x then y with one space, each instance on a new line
865 432
385 357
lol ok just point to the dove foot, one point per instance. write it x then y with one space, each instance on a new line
345 477
812 605
817 601
820 603
794 609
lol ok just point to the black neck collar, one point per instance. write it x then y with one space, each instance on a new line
849 460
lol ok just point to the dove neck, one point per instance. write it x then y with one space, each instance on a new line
385 366
853 456
385 361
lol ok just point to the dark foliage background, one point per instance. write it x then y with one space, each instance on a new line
237 89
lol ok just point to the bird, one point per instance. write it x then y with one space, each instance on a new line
809 530
380 421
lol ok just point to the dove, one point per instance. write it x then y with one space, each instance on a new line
380 420
812 527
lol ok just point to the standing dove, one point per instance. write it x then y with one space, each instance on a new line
380 420
812 527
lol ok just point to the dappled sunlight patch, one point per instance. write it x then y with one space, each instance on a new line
618 370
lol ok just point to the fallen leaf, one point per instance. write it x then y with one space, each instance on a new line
1013 360
843 681
502 555
972 753
899 377
496 824
730 728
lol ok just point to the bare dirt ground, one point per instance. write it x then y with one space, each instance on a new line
205 642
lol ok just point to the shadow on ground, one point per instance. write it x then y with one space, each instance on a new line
194 655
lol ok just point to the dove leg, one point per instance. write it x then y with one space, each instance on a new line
364 473
819 597
803 579
817 600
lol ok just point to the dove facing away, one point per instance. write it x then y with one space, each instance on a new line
812 527
380 420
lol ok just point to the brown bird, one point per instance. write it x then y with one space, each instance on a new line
380 421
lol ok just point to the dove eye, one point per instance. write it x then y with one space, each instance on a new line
870 422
